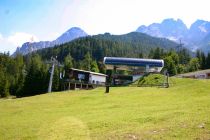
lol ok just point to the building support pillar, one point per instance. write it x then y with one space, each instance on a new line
108 80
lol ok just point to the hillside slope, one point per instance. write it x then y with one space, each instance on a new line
179 112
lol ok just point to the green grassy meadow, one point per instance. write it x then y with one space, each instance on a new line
179 112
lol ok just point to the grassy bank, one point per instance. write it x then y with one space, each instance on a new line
179 112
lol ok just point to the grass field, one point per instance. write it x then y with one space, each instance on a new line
179 112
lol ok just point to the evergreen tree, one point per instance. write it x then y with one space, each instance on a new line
181 68
68 62
94 66
18 70
174 56
4 84
170 66
141 55
86 63
157 53
203 61
20 83
184 56
201 58
208 61
35 81
194 64
198 55
101 67
151 53
56 80
5 92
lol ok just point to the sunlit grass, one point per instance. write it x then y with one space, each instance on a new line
179 112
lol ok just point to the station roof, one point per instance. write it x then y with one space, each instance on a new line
133 62
90 72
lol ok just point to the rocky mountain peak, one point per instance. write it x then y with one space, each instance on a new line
69 35
176 30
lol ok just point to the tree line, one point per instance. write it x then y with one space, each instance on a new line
181 61
29 75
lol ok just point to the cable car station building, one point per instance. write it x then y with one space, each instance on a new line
81 79
137 67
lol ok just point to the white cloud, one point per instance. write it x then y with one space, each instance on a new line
1 37
15 40
5 45
19 38
123 16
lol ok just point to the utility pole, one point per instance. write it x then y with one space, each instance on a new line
108 80
54 62
180 45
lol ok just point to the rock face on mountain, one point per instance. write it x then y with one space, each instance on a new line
196 37
205 44
68 36
199 30
169 28
30 47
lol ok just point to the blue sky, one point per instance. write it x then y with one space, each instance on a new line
22 20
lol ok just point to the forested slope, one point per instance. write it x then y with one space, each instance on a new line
129 45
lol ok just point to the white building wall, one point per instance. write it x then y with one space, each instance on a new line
97 79
201 76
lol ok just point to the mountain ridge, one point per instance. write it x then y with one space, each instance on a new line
133 44
195 37
176 30
69 35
